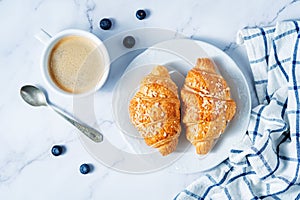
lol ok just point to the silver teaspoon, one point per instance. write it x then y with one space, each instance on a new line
36 97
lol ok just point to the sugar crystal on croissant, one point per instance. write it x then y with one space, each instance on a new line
155 111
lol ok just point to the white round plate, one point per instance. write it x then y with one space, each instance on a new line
179 54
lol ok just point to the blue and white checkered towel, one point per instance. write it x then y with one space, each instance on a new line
267 163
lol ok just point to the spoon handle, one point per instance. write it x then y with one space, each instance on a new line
90 132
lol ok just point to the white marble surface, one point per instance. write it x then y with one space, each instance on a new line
27 168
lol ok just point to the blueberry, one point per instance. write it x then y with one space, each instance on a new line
141 14
84 168
57 150
105 24
129 42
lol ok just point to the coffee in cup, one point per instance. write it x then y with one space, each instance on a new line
76 62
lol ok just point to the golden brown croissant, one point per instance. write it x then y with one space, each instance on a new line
155 111
207 106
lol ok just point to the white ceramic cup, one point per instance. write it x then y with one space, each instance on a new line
51 41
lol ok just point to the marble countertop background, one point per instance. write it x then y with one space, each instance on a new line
27 168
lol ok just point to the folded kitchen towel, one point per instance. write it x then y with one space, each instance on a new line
266 164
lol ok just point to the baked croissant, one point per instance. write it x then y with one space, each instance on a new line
155 111
207 106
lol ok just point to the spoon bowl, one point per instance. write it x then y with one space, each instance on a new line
33 95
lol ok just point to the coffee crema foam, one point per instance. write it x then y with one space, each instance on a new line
75 64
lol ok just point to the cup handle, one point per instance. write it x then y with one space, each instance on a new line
43 36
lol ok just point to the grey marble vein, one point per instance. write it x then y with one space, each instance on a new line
274 19
90 7
117 162
185 25
231 46
38 5
77 3
234 45
281 10
15 163
93 188
104 121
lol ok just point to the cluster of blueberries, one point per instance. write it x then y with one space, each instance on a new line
106 23
58 150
